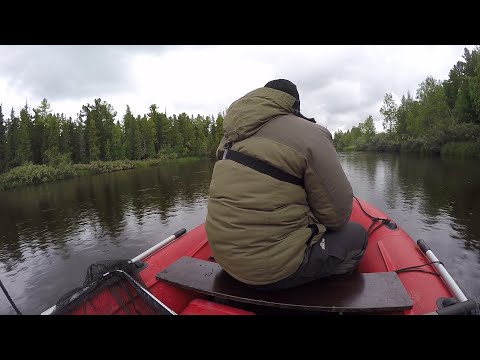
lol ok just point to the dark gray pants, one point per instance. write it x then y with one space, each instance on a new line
337 252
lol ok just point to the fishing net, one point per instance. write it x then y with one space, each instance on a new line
111 286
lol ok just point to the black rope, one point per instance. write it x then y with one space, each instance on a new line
415 268
374 219
423 271
10 299
375 229
370 216
386 221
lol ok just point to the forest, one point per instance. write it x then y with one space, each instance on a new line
39 145
442 119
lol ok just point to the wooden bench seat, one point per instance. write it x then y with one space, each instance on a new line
359 292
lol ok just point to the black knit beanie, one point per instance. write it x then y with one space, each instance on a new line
287 87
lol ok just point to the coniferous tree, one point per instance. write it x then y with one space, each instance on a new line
3 143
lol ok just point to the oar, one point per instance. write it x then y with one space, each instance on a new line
443 272
159 245
142 256
464 306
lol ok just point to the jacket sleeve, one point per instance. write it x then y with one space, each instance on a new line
329 192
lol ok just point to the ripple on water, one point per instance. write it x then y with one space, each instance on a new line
44 254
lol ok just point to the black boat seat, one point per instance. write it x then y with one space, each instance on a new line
358 292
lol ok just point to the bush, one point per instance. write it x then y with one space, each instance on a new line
30 174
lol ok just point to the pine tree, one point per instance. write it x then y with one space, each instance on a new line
129 125
118 143
38 140
3 143
24 150
12 140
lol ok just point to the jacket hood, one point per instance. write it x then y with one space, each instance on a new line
249 113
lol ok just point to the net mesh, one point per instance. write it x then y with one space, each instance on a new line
118 286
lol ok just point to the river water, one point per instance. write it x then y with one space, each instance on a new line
51 233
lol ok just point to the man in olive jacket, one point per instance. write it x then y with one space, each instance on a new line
279 201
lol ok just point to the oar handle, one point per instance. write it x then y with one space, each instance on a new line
180 233
423 246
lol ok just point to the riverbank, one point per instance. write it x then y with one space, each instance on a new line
451 149
36 174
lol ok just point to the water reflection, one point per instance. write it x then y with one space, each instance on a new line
431 198
49 234
52 232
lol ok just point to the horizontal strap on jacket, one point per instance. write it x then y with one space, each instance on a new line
262 166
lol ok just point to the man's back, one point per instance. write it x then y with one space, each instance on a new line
259 225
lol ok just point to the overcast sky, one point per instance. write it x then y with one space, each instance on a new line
338 85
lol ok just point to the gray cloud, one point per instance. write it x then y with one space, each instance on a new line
66 72
343 85
338 85
335 83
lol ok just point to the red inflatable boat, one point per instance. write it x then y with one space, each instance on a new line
179 276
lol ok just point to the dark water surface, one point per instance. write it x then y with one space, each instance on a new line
50 234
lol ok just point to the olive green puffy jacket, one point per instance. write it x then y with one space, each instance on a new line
257 225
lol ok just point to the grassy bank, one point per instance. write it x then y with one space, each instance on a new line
462 149
452 149
381 143
36 174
